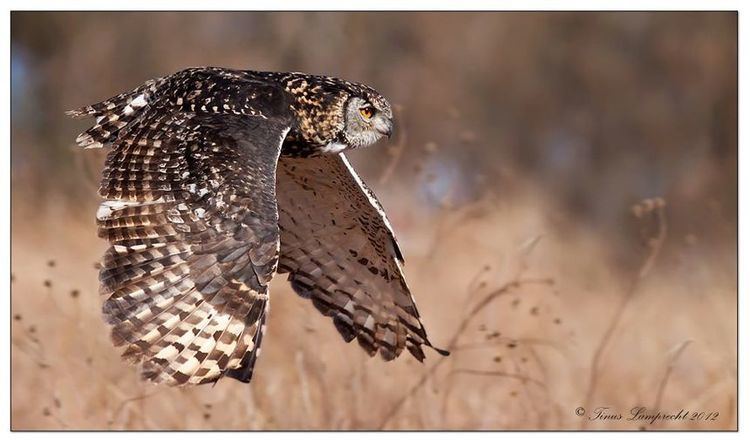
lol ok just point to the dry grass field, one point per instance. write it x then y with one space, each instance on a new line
563 187
521 296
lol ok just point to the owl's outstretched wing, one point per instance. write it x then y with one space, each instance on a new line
341 253
190 213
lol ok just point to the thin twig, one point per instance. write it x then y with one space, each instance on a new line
502 340
655 246
488 299
475 285
529 396
675 353
521 377
470 290
555 407
122 405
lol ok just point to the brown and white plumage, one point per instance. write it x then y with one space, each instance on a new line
216 177
340 252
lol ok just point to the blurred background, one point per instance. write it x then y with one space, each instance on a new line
563 185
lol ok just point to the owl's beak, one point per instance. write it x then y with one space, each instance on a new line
385 127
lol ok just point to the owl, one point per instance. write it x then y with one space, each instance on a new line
218 179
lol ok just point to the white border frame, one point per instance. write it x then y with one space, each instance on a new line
633 5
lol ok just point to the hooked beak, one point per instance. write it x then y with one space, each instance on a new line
385 127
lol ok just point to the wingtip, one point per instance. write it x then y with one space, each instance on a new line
441 351
78 113
419 354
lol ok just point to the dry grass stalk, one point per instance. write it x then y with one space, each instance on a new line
124 403
674 354
521 377
484 302
655 207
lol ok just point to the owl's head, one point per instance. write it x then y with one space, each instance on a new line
333 115
367 118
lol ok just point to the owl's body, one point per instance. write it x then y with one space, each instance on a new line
215 180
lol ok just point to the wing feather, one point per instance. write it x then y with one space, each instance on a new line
190 213
340 250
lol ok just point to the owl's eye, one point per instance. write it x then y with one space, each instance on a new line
366 112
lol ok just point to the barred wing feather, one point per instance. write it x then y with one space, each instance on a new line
190 213
340 251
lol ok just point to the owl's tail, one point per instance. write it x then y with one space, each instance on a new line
114 114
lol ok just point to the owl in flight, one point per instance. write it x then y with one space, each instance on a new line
215 180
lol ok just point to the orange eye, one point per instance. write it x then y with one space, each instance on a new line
366 112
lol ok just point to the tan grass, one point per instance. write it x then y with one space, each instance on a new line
521 300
